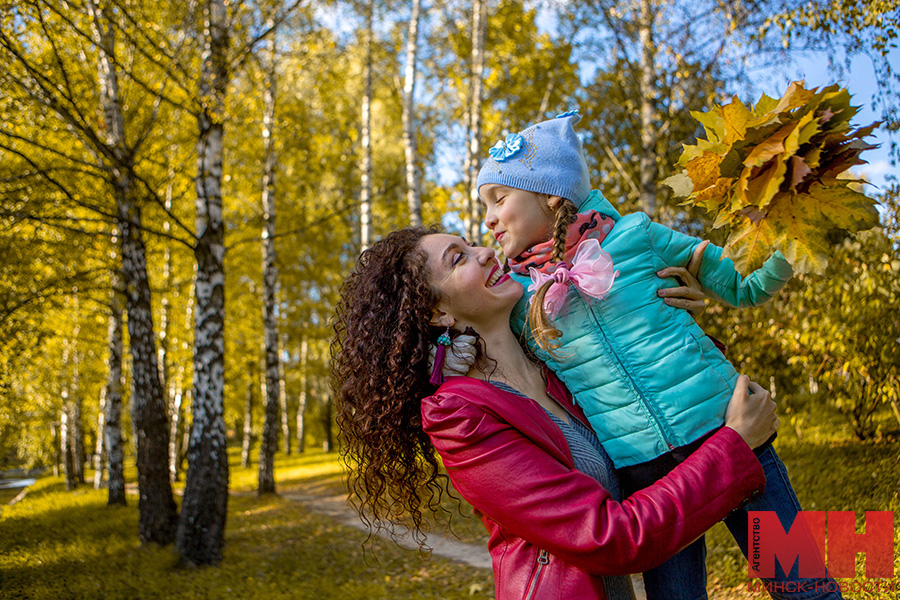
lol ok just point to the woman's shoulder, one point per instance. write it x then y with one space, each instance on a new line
463 409
456 393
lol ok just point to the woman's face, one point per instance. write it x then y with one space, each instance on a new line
473 289
518 219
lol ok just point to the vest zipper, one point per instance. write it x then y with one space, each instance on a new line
655 421
543 559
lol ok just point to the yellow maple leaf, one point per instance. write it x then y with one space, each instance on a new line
703 170
764 182
749 244
735 117
800 232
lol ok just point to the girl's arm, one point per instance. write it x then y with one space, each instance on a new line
718 275
534 496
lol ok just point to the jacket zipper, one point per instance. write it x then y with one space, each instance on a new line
655 421
543 559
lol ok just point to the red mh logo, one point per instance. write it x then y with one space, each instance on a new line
806 542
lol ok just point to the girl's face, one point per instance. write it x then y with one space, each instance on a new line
518 219
473 289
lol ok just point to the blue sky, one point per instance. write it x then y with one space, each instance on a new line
859 80
812 67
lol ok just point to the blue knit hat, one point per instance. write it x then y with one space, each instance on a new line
545 158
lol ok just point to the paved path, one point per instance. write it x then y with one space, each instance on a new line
336 507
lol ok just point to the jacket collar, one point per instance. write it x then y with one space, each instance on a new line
525 415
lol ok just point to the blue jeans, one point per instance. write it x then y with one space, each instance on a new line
683 577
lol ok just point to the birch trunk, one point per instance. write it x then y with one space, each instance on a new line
413 196
327 418
185 441
172 390
648 108
113 430
181 441
474 134
174 426
68 441
77 438
100 448
365 194
270 286
201 529
301 402
65 442
54 433
247 431
158 513
282 399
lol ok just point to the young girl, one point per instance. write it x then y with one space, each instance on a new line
651 383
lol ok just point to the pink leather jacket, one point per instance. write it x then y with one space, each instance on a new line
554 530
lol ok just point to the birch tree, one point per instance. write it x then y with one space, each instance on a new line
270 280
413 196
283 401
474 123
201 529
247 429
301 400
648 106
113 409
365 192
158 513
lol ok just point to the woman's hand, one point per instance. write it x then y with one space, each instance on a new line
751 412
689 295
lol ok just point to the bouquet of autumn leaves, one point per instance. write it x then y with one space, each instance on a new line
771 174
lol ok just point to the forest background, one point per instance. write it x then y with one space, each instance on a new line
146 149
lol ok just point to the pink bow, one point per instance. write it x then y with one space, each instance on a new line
591 273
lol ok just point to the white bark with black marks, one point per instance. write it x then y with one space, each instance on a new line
158 513
201 529
65 443
175 416
365 194
301 402
100 446
413 196
113 419
474 132
247 430
648 108
270 282
283 402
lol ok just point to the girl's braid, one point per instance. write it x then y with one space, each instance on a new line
543 330
566 212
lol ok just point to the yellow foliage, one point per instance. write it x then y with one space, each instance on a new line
779 165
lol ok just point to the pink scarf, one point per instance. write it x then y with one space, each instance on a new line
589 225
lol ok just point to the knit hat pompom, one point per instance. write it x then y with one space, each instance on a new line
545 158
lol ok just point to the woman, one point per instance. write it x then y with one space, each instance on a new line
507 431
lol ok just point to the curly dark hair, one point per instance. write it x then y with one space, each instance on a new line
380 375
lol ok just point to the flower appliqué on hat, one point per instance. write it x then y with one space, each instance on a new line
568 113
506 149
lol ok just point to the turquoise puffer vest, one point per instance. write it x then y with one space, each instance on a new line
645 374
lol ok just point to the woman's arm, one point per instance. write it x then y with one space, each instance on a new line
534 496
689 293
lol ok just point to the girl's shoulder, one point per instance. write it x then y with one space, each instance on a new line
598 202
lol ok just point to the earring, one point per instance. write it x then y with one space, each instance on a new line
437 372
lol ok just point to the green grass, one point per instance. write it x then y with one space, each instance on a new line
317 472
58 544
